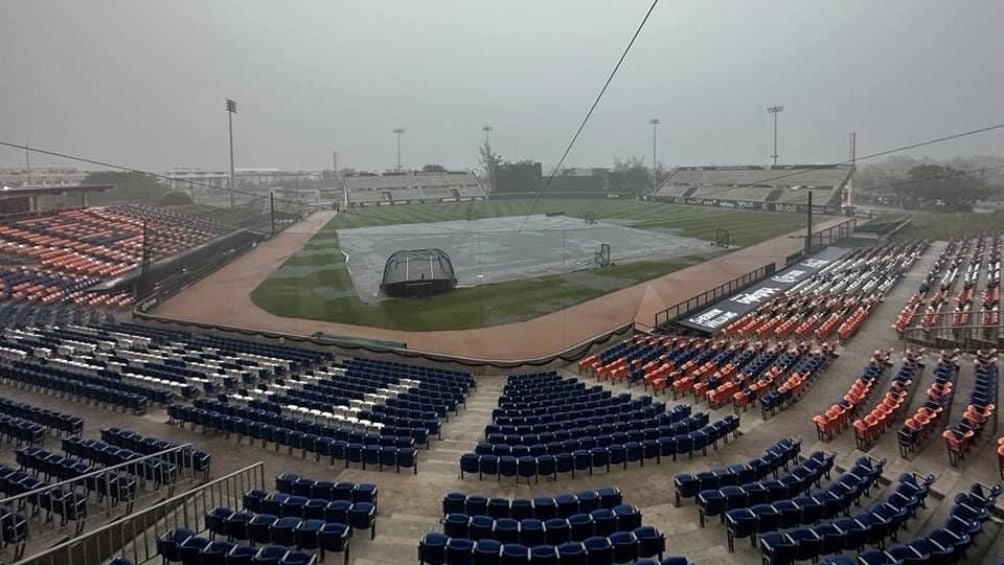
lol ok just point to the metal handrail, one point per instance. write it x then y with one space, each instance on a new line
126 467
112 539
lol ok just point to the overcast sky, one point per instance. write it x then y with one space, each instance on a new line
144 83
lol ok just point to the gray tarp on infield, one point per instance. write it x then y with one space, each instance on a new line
498 249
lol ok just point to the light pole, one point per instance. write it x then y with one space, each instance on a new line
488 134
655 182
775 110
398 132
231 110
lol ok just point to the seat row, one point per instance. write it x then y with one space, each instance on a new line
359 514
688 485
917 428
541 508
946 544
21 431
304 533
581 460
554 531
810 471
294 484
588 437
102 393
838 416
67 504
62 423
619 547
198 461
162 471
981 409
380 450
182 545
869 429
880 521
807 508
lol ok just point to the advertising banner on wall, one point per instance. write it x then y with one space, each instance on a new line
728 309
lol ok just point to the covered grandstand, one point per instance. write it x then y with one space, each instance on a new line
411 188
783 188
66 256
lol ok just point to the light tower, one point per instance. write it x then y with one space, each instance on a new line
654 122
488 134
231 110
775 110
398 132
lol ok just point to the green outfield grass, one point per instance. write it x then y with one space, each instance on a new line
314 283
950 225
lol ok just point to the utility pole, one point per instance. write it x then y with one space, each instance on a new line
775 110
854 159
398 132
271 203
655 181
808 230
27 162
231 110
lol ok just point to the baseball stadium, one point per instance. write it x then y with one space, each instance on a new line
498 366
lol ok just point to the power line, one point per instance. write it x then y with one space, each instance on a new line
879 154
191 182
589 114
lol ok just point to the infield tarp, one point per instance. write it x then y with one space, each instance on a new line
728 309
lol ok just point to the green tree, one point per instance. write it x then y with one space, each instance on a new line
931 185
630 176
490 163
175 199
128 187
433 168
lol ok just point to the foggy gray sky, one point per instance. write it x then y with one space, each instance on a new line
144 83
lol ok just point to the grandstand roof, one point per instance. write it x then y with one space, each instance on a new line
11 191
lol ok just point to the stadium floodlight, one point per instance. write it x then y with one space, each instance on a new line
775 110
655 182
488 134
231 110
398 132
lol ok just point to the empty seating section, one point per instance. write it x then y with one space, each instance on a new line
49 419
832 533
945 544
786 503
65 253
198 461
962 289
546 425
789 184
307 435
370 395
884 414
928 417
411 188
839 416
70 505
834 300
591 526
980 411
133 366
808 472
301 521
780 454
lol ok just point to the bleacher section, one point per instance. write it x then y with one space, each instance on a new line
784 185
412 188
58 257
591 526
546 426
